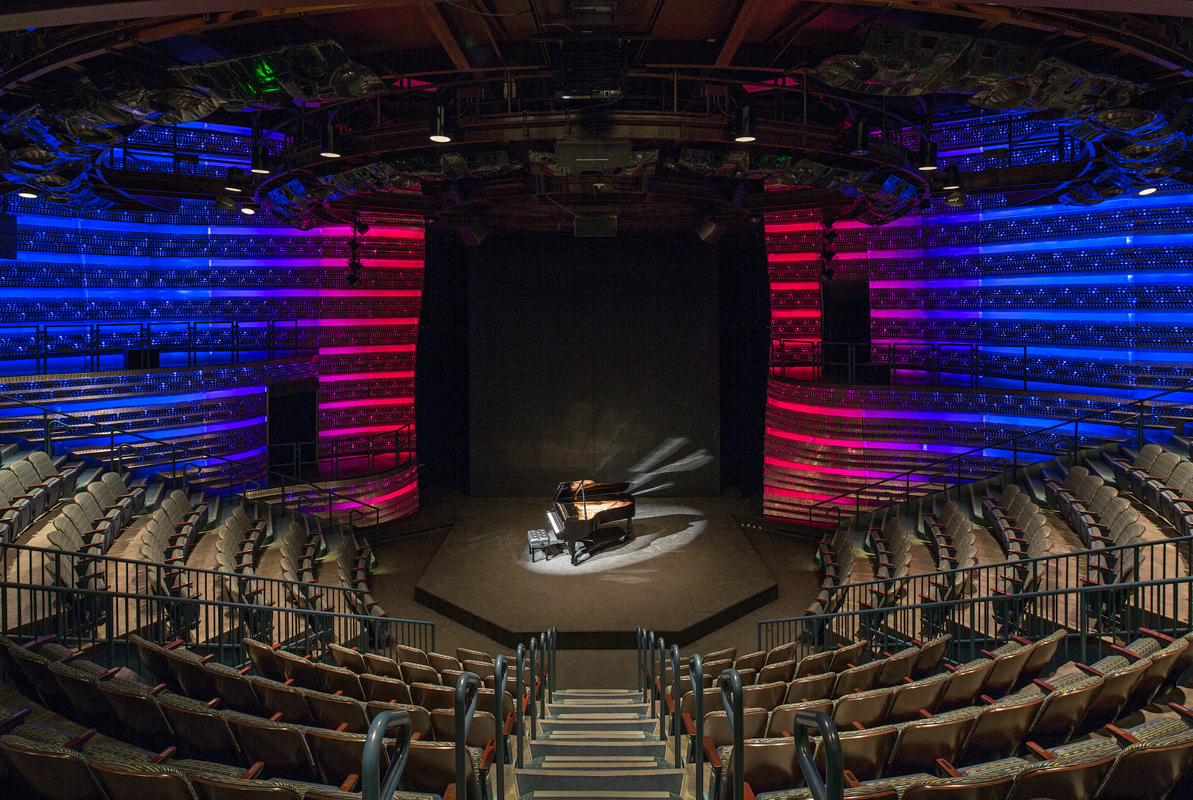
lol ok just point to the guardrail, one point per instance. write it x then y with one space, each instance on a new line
1064 572
30 607
140 345
1135 415
190 465
303 461
1094 615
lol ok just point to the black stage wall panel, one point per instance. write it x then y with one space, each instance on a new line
441 368
594 358
745 350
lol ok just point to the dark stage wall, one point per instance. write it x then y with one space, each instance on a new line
593 358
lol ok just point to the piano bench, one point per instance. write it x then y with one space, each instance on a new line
542 540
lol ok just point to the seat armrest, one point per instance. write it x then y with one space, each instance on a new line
1045 755
710 753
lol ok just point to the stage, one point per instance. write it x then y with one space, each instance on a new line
687 571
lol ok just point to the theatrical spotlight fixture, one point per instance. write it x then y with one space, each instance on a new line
441 126
360 227
329 142
828 254
744 125
951 179
225 203
926 161
260 157
857 138
234 180
1144 192
826 273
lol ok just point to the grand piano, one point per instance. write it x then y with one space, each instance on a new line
581 507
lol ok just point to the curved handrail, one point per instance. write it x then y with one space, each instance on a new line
500 674
696 673
373 787
675 730
533 704
468 687
519 695
544 690
730 683
1010 442
834 787
648 675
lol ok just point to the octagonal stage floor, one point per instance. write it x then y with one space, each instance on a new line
687 570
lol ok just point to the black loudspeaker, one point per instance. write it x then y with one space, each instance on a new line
473 234
142 359
8 236
845 332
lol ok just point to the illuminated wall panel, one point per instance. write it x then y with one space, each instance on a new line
1044 313
228 285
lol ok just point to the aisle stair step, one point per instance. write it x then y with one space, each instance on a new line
626 723
629 779
597 748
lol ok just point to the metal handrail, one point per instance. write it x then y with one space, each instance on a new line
372 786
973 602
468 686
534 652
696 673
675 698
519 698
140 338
660 688
731 699
832 786
500 676
956 572
114 431
1011 442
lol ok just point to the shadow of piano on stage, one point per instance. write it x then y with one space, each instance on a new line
647 530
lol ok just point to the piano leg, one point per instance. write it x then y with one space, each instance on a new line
572 550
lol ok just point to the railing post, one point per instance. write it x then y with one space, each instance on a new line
519 694
661 687
675 698
731 699
533 704
696 673
500 673
639 633
544 688
649 676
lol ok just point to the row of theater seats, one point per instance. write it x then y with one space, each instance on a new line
835 556
996 741
30 485
304 738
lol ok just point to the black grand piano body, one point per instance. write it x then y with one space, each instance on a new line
581 507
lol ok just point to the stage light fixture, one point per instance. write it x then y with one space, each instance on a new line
360 227
225 203
329 142
259 159
828 254
829 236
28 194
858 138
745 127
826 273
248 208
927 157
234 180
1144 192
354 247
952 179
955 198
441 126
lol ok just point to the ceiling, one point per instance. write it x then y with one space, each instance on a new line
644 99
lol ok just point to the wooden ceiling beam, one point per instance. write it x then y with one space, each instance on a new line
737 33
445 36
